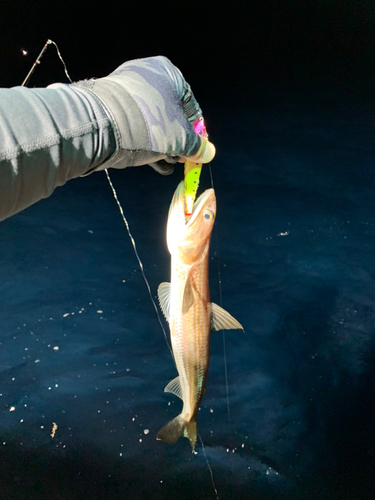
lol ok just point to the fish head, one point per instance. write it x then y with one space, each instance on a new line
188 239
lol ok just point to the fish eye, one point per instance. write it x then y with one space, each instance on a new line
208 216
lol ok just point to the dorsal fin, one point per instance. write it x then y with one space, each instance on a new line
222 320
188 298
164 295
174 387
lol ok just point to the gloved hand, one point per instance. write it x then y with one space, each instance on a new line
152 110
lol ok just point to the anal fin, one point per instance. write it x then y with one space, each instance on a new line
174 387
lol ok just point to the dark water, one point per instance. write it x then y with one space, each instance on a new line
81 346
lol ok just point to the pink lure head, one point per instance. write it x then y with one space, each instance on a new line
199 128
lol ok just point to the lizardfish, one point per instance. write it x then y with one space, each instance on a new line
187 307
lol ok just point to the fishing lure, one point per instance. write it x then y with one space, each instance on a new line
192 172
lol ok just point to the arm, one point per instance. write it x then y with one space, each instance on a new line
47 136
140 114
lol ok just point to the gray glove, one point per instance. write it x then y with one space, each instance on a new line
152 111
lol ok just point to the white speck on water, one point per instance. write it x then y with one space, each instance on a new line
65 315
211 410
12 408
99 311
90 231
146 431
140 440
37 361
56 348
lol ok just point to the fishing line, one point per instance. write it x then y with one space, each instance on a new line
37 61
223 331
221 304
138 258
209 468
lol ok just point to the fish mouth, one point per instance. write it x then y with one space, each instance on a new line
177 206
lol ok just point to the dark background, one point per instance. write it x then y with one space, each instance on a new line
221 47
287 92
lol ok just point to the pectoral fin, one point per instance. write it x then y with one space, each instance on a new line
188 299
174 387
164 295
222 320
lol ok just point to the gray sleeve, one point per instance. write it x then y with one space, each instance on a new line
47 137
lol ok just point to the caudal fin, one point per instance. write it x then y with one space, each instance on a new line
179 427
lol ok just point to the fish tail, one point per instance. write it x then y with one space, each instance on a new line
179 427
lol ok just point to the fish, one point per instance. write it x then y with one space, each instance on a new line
186 305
